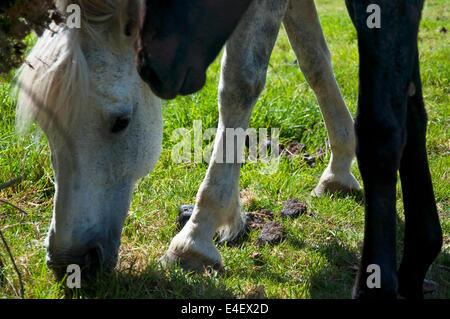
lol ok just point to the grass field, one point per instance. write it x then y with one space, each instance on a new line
318 255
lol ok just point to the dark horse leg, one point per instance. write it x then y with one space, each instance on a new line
390 131
423 235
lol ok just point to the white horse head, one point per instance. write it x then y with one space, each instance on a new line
103 124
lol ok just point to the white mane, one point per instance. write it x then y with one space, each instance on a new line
53 85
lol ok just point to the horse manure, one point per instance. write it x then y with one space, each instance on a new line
293 208
294 148
256 220
321 154
309 159
271 233
312 158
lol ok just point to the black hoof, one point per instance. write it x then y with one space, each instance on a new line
387 290
184 214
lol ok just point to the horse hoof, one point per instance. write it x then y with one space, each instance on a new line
331 185
190 262
378 293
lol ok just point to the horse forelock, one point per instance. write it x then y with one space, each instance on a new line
102 16
53 85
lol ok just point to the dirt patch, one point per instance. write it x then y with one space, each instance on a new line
257 292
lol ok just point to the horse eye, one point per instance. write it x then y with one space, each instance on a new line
120 124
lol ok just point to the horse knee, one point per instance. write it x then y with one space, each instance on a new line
379 146
317 69
242 89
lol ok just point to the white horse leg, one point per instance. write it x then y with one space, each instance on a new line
217 207
306 38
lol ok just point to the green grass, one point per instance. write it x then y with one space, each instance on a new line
317 257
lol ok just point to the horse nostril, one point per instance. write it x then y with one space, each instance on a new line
120 124
150 76
94 258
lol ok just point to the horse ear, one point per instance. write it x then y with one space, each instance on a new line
130 17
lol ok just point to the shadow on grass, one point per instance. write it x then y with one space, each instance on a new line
439 272
357 196
153 283
336 280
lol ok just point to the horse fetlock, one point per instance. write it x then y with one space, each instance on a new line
230 223
221 208
375 285
234 228
385 292
410 283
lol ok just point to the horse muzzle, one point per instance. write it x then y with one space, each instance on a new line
93 262
168 82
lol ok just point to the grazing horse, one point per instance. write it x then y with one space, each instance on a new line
390 128
103 124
